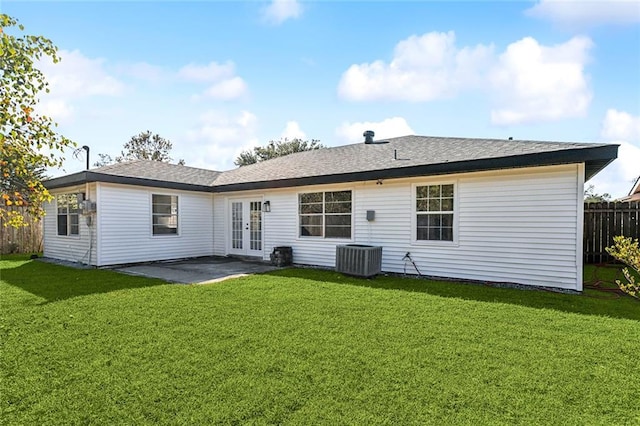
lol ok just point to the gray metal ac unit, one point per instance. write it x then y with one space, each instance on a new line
359 260
88 207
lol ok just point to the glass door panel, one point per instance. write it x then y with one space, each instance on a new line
255 226
236 225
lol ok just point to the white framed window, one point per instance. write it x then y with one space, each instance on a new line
435 207
68 210
325 214
164 214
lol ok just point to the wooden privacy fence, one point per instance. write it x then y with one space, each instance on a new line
26 239
603 221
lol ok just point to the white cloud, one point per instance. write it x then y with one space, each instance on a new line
78 76
146 72
211 72
587 13
293 131
528 82
218 139
387 128
75 77
423 68
618 177
534 83
227 90
621 126
226 85
279 11
58 109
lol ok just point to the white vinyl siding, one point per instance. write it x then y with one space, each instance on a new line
221 225
513 226
518 226
81 248
126 234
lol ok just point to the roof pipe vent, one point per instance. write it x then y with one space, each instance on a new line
86 148
368 136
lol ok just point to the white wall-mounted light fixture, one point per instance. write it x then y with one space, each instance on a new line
266 206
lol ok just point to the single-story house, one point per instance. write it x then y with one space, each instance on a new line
477 209
634 194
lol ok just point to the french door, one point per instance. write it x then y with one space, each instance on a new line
246 227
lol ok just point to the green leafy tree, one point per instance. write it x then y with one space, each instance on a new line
143 146
590 195
275 149
104 160
627 251
16 190
28 141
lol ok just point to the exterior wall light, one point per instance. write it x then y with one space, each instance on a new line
266 206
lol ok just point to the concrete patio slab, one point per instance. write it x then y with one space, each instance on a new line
198 271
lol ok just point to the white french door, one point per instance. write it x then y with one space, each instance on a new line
246 227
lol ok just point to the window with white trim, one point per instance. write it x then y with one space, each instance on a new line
164 212
68 214
434 212
325 214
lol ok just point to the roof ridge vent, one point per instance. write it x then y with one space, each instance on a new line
368 136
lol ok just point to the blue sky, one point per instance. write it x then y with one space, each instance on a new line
219 77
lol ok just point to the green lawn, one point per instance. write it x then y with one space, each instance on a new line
309 347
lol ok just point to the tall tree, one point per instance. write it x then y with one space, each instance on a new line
28 141
104 160
143 146
275 149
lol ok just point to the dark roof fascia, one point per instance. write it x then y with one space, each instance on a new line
68 180
596 154
89 176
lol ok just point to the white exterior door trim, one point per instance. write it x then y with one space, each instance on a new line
245 226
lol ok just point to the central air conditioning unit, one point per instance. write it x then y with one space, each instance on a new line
359 260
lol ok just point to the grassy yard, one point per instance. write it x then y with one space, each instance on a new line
309 347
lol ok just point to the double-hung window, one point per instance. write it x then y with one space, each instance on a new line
68 214
434 212
325 214
164 214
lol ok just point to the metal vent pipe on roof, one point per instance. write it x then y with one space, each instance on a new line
86 148
368 136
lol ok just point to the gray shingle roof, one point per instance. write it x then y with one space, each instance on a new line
158 170
143 173
398 157
405 152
